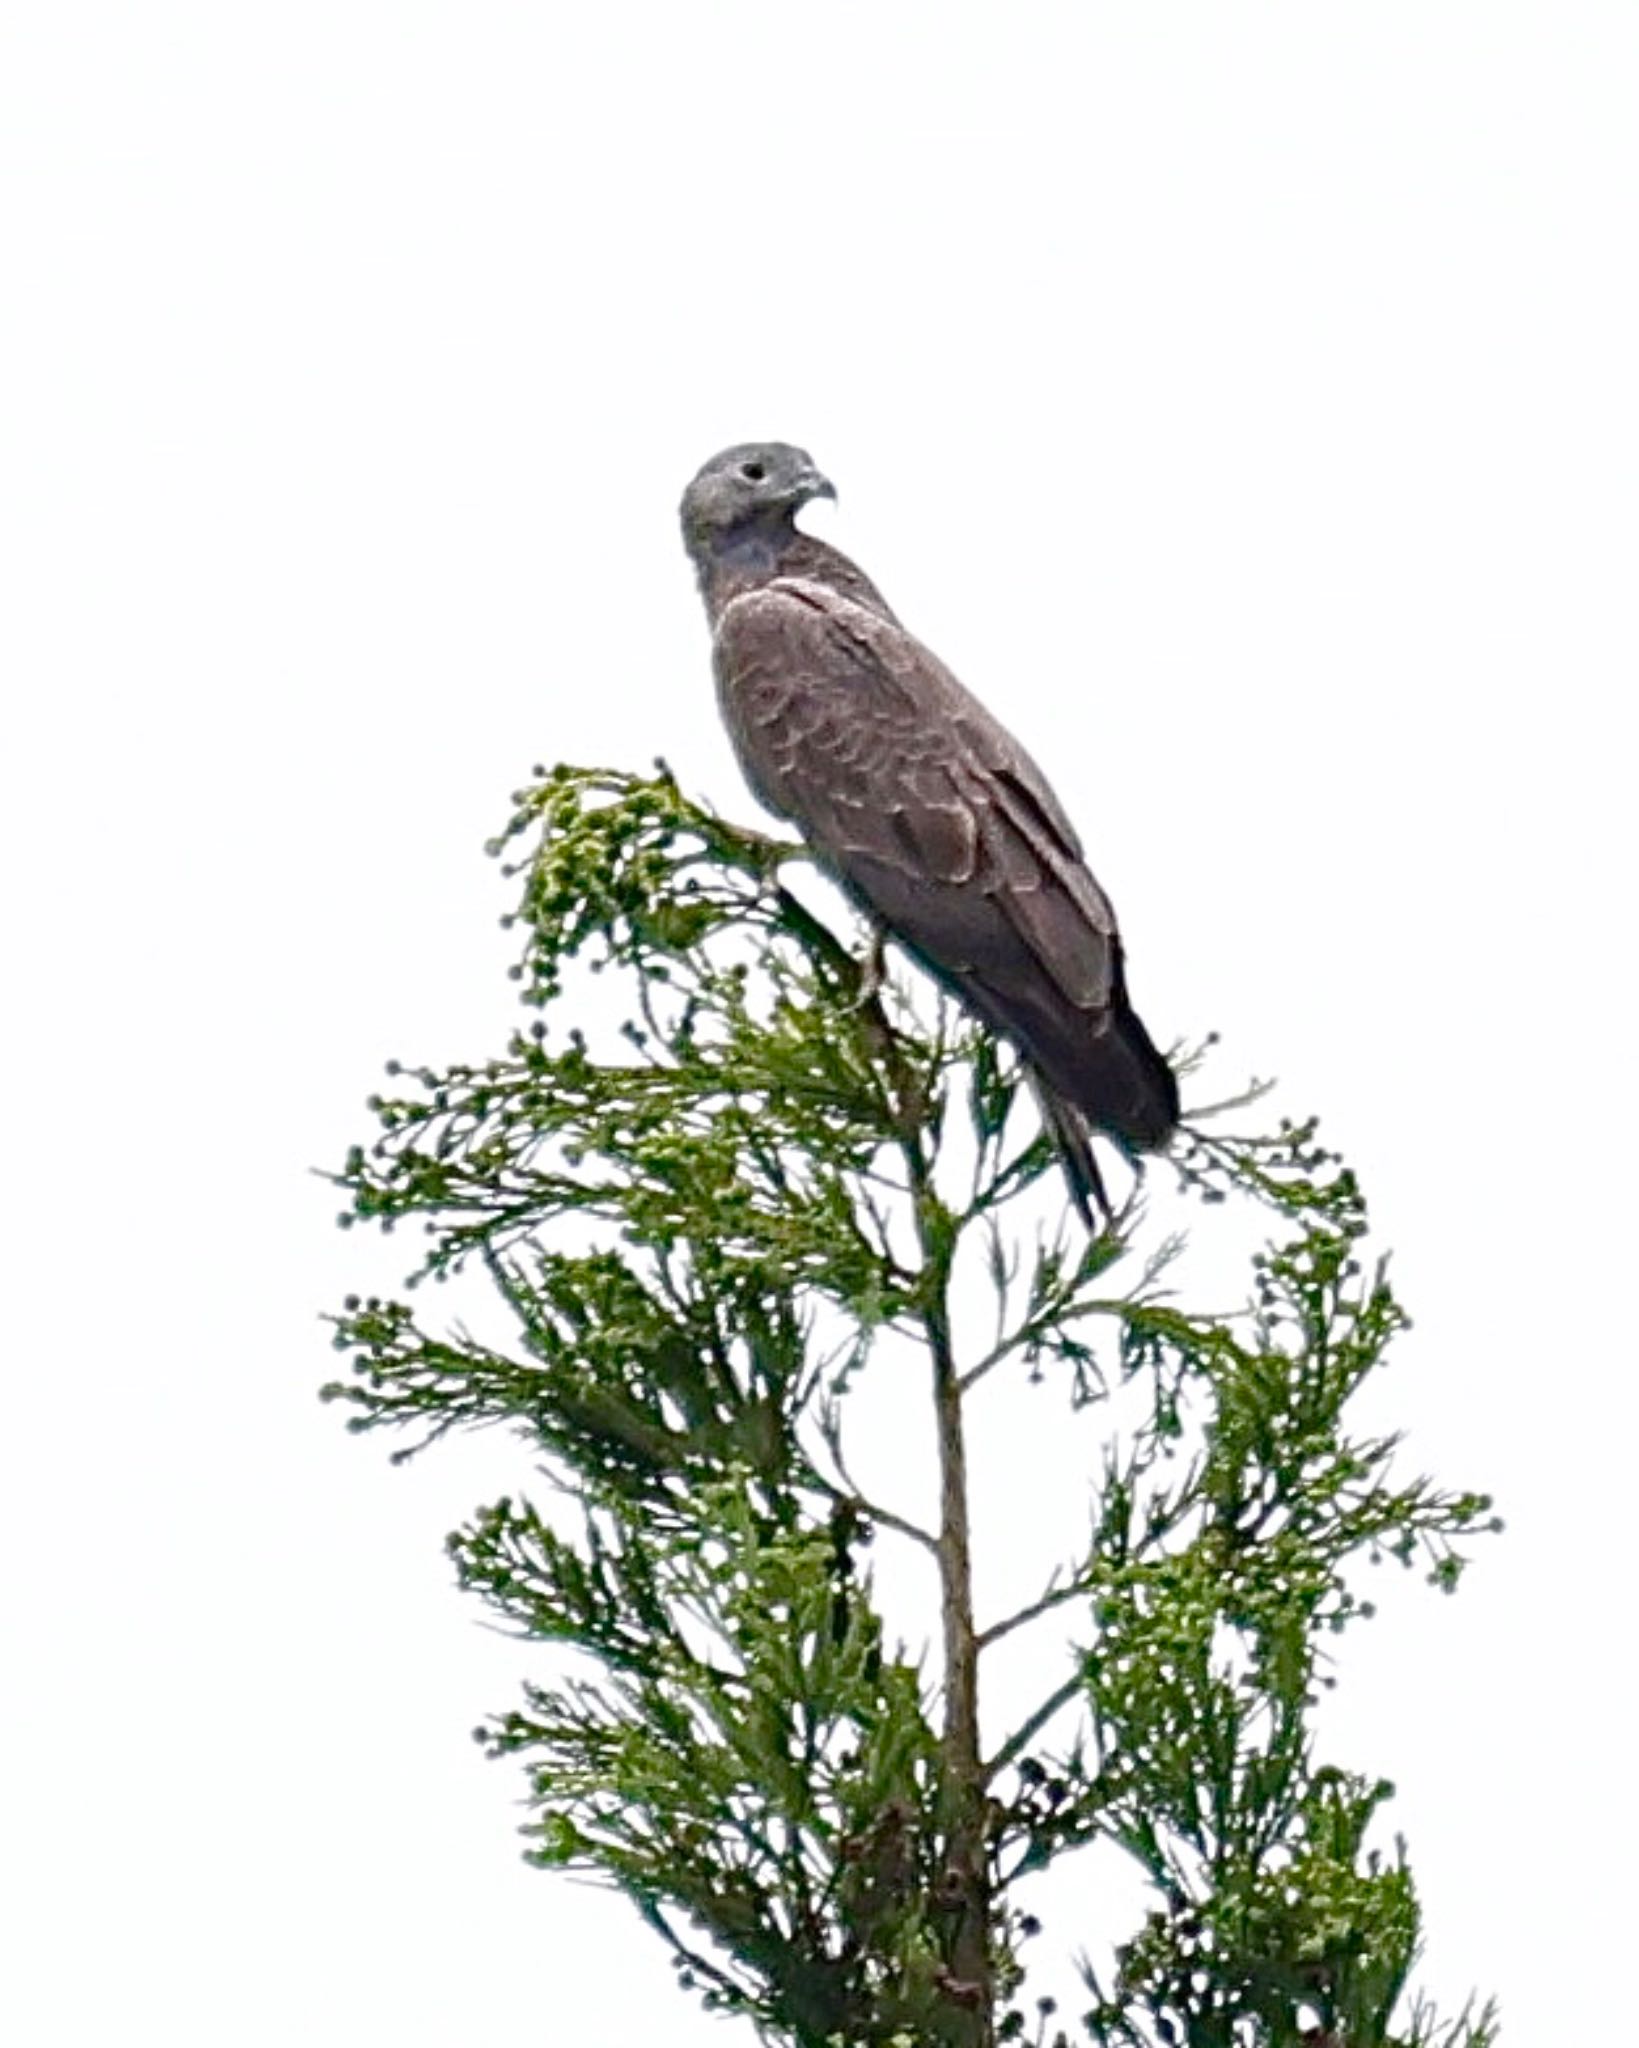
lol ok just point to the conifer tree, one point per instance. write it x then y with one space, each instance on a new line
706 1229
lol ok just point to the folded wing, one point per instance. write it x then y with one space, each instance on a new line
939 822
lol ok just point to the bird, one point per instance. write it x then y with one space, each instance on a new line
922 805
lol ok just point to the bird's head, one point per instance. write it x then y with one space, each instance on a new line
756 487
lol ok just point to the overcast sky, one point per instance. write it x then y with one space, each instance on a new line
1241 398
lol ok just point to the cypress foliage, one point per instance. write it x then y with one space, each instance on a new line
706 1229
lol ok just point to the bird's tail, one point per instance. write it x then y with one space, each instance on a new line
1104 1063
1125 1089
1125 1086
1073 1136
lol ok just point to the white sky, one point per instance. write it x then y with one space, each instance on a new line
1241 398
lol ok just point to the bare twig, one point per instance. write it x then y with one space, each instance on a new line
1055 1596
1028 1729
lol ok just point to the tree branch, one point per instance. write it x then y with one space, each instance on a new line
848 1496
967 1864
1055 1596
1027 1731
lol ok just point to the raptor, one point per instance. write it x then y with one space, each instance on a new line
924 807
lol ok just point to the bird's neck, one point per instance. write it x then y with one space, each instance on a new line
755 555
743 559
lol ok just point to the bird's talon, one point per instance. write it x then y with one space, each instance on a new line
873 971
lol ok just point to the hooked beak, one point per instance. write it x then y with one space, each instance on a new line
811 484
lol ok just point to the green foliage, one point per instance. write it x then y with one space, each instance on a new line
703 1226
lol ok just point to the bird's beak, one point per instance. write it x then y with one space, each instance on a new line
812 485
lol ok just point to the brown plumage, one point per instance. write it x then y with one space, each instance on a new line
928 811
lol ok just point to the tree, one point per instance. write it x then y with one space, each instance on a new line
707 1230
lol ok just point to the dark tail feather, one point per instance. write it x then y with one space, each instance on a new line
1074 1140
1105 1064
1124 1086
1126 1089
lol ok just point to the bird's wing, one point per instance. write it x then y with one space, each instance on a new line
934 814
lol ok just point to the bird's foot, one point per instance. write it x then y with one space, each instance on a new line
873 970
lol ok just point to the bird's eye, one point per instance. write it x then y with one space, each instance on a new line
753 472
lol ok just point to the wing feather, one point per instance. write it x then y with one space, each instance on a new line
857 733
935 817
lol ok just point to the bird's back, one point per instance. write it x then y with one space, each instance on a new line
936 820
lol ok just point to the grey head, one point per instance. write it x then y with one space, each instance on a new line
749 493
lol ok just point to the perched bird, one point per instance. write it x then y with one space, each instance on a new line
931 815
